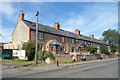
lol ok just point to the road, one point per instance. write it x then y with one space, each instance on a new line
99 69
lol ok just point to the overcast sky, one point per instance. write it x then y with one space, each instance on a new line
88 17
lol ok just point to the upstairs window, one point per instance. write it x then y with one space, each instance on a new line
91 44
76 41
62 48
73 41
62 39
40 47
85 42
40 35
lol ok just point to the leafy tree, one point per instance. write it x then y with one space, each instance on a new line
104 49
92 50
30 49
42 55
111 37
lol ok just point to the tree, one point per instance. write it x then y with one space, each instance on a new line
104 49
42 55
111 37
30 49
92 50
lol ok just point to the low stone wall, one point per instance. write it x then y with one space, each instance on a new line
63 58
95 57
69 58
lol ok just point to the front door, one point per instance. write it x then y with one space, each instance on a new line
52 49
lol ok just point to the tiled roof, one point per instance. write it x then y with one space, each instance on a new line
48 29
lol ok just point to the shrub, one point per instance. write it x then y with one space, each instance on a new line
92 50
104 49
65 62
42 55
30 50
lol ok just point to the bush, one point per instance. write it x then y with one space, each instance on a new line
104 49
92 50
42 55
65 62
30 50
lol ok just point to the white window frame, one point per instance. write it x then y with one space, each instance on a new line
40 35
76 41
62 48
40 45
62 39
73 41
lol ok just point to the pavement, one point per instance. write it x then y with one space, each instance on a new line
102 67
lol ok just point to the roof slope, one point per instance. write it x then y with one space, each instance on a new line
48 29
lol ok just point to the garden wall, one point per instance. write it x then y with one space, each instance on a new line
63 58
69 58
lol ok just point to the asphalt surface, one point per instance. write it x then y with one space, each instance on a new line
99 69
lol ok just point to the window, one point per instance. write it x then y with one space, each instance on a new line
82 42
76 41
40 47
62 48
91 43
85 42
40 35
73 49
73 41
8 47
62 39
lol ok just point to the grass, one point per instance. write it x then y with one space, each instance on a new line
23 63
67 66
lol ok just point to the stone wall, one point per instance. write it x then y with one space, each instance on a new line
20 34
63 58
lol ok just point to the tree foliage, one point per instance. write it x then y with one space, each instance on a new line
30 49
111 37
104 49
92 50
42 55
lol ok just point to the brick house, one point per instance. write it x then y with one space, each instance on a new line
51 39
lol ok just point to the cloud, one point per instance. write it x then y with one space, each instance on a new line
93 20
8 10
7 35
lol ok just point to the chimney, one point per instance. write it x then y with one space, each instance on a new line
101 38
57 25
21 16
92 36
77 31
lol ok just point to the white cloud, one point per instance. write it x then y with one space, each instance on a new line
93 20
8 10
7 34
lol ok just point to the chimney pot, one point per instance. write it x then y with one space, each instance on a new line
57 25
21 16
92 36
101 38
77 31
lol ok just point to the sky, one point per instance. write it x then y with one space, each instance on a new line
88 17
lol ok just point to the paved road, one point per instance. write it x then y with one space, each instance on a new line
97 69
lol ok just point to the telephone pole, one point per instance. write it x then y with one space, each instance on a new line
36 52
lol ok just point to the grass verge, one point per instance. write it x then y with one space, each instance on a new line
21 63
67 66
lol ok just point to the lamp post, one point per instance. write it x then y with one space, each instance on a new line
36 50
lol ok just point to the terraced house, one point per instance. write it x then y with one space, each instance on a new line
51 39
